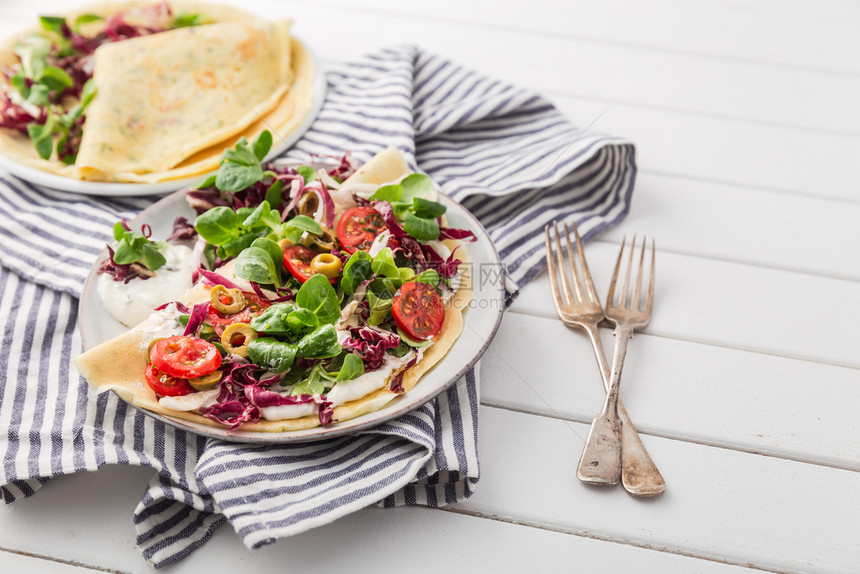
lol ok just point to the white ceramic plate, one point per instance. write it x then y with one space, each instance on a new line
482 319
62 183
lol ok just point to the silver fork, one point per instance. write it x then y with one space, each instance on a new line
581 307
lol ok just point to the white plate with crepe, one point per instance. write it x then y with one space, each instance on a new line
482 317
154 127
103 188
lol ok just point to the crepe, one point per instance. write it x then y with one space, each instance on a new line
119 364
168 104
163 97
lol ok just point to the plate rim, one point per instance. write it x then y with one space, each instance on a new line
56 182
349 427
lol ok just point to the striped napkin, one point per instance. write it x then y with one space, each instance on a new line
503 152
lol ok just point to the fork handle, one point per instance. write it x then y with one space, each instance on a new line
639 474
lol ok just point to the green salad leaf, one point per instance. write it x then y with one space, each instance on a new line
353 367
185 20
358 269
134 247
317 295
420 228
256 264
240 166
320 344
409 200
273 319
272 354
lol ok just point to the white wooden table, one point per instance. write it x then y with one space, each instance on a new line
746 385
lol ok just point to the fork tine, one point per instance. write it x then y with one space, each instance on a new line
586 273
576 283
622 299
610 297
650 297
561 269
637 291
550 266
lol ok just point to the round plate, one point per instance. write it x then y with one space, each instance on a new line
482 318
62 183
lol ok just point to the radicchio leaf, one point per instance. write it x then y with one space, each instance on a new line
345 169
395 383
452 233
446 268
124 273
233 412
328 204
370 344
181 307
385 210
326 413
195 320
182 230
217 279
297 188
262 398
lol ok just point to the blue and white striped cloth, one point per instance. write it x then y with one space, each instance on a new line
504 152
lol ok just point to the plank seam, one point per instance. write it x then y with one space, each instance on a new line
699 441
748 186
806 359
74 563
586 534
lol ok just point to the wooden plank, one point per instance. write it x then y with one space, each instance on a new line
773 32
750 226
672 388
740 508
732 305
726 89
400 538
723 150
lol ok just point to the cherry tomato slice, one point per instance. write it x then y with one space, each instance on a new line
185 357
419 310
358 227
297 259
166 386
219 320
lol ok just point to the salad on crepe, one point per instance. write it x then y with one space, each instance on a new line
319 294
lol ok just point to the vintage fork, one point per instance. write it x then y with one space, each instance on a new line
581 307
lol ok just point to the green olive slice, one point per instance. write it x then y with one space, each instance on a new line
150 346
236 338
227 301
324 242
327 264
308 203
206 382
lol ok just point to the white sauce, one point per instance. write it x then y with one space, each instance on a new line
132 302
191 402
347 319
285 412
346 391
379 243
160 324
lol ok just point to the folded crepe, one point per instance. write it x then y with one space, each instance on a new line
163 97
